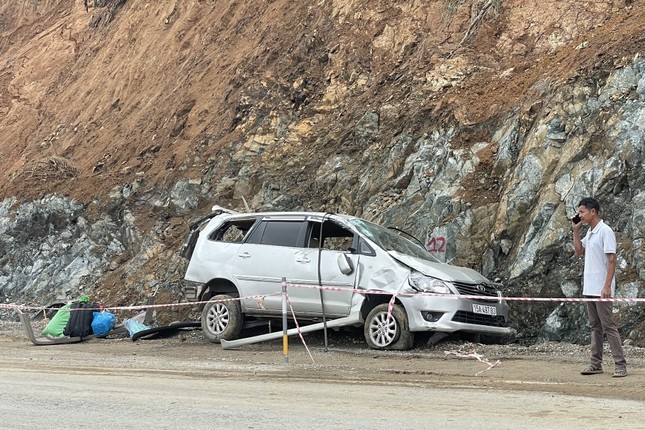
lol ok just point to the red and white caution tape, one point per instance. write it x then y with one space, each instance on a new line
473 354
390 309
295 320
261 298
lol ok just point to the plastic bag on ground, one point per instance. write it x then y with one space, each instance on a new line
58 322
103 322
133 326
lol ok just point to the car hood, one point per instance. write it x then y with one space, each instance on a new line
443 271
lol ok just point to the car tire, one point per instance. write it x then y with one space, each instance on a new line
222 318
383 334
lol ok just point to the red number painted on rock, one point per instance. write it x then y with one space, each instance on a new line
436 244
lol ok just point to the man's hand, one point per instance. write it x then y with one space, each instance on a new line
611 269
577 243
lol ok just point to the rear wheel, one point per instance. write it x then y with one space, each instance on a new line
382 332
222 318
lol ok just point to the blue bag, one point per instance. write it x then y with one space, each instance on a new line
103 322
134 326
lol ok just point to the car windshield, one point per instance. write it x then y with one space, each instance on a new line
390 240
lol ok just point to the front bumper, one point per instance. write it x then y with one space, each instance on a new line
453 313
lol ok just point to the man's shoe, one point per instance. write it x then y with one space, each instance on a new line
620 373
592 370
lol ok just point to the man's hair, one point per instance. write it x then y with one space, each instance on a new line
590 203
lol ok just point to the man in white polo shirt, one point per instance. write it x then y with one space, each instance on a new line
599 249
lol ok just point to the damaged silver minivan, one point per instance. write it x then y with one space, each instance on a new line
237 262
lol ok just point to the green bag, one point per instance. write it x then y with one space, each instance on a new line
58 322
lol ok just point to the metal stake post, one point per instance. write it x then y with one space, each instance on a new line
285 336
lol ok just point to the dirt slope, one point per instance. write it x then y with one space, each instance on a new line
154 90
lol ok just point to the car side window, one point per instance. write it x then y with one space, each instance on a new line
281 233
233 231
334 237
339 243
364 248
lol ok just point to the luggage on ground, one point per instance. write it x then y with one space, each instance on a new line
80 320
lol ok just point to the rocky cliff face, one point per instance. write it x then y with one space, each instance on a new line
477 126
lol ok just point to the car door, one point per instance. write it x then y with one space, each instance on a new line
267 256
337 243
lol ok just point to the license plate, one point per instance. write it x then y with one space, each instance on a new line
485 310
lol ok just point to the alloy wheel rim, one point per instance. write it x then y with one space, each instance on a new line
383 331
218 318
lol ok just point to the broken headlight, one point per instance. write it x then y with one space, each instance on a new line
428 284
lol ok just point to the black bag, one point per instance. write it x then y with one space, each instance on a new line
80 320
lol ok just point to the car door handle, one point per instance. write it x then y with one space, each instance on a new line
303 260
244 255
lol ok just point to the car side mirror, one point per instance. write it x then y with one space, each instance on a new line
345 264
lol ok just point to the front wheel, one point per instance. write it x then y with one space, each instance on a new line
383 333
222 318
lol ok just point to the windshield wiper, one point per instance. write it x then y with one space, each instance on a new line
409 235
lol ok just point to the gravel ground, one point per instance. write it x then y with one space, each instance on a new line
352 341
543 367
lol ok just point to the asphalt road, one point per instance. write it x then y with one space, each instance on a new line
139 399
